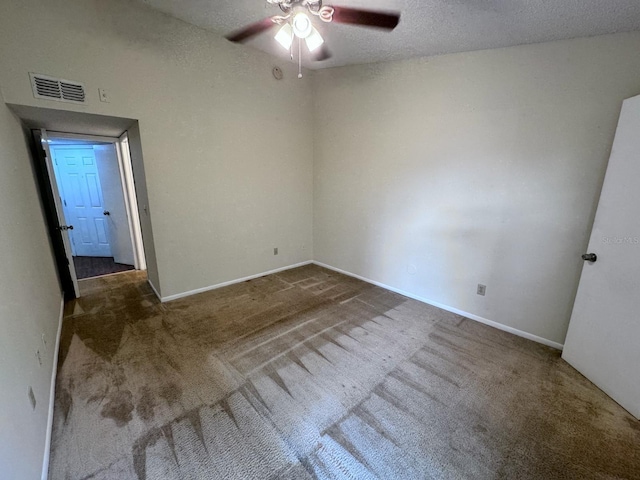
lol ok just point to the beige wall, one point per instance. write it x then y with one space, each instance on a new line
479 167
29 307
226 146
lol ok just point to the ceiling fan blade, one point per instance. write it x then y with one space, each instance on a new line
244 34
366 18
323 53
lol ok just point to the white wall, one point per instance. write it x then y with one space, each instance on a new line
480 167
29 307
226 147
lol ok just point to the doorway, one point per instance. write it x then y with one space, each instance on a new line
92 182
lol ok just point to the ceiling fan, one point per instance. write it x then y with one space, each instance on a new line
295 22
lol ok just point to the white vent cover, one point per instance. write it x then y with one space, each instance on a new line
50 88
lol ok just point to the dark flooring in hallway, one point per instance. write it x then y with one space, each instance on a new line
87 267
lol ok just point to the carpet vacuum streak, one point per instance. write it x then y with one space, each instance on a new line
309 374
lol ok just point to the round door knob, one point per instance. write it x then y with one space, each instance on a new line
590 257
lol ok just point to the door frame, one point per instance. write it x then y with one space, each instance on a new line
130 200
127 181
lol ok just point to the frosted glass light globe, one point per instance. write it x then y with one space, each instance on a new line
301 25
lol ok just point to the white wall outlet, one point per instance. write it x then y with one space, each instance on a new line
275 251
104 95
482 289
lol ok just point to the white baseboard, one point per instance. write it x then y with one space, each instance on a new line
154 290
168 298
448 308
52 396
472 316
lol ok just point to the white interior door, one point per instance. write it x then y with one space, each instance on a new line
79 186
604 333
114 203
62 223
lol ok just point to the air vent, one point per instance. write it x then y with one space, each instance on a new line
50 88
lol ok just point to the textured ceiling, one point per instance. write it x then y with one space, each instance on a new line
427 27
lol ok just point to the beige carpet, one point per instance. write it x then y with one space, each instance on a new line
310 374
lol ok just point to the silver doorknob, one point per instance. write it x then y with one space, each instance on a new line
106 212
590 257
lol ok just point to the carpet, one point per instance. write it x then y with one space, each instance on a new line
309 374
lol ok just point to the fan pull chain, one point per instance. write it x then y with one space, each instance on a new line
299 58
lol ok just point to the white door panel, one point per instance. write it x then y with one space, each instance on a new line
114 202
79 184
602 341
100 226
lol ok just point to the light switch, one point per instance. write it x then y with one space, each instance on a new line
104 96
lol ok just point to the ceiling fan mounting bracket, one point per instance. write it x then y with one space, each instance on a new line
313 6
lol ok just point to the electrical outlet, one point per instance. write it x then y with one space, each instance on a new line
482 289
38 357
32 398
275 251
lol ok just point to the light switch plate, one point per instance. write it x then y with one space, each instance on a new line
104 95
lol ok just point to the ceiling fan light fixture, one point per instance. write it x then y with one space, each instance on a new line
314 40
302 25
285 36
